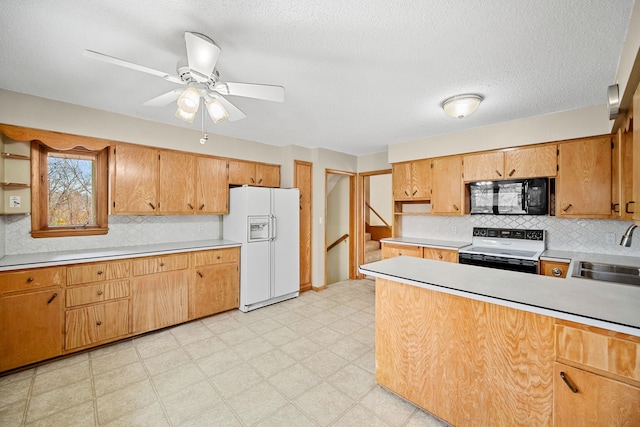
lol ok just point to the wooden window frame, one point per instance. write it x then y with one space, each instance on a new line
40 189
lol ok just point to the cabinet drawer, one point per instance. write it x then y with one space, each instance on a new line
87 273
608 353
31 279
446 255
554 268
216 256
97 293
96 323
159 264
391 250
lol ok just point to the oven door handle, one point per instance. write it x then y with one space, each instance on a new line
525 197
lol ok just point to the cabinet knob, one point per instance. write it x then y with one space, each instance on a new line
162 264
99 273
30 279
556 272
512 172
440 256
99 322
99 293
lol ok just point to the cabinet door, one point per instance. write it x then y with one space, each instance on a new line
401 176
177 183
390 250
484 166
303 171
554 268
583 186
217 289
446 255
96 323
241 173
159 300
100 292
599 401
531 162
421 179
447 197
31 327
96 272
636 159
267 175
135 180
212 186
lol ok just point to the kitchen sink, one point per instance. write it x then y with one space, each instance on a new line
607 272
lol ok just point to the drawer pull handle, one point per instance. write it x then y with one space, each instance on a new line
52 298
556 272
498 172
190 206
200 274
202 206
253 181
99 293
260 181
406 193
626 207
512 172
30 279
414 192
567 208
456 208
568 383
152 206
99 322
440 256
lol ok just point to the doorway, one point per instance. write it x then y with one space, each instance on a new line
340 238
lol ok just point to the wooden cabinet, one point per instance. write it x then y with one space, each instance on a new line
31 309
448 189
303 181
177 191
160 291
554 268
622 200
438 254
250 173
212 186
468 362
391 250
135 180
96 324
97 272
411 180
15 176
216 285
596 377
636 157
583 185
514 163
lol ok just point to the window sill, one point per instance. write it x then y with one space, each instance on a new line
69 232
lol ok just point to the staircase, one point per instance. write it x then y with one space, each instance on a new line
372 251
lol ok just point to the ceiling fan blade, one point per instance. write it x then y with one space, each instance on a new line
164 99
234 112
251 90
202 55
121 62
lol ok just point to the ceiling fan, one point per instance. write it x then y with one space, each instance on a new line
202 81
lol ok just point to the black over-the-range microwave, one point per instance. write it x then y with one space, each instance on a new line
510 197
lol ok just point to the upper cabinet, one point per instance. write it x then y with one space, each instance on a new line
15 176
135 180
636 157
177 183
448 187
412 180
530 162
583 185
212 186
256 174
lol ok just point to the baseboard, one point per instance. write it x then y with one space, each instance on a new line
320 288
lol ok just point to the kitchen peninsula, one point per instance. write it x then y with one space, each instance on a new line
478 346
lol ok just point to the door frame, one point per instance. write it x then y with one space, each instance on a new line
352 221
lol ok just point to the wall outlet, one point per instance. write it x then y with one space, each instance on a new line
200 228
454 229
610 238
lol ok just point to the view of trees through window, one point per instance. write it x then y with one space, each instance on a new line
71 184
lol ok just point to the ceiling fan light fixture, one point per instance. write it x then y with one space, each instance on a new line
460 106
185 116
189 100
216 110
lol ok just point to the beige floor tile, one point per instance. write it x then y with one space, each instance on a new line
218 362
17 376
288 318
221 325
289 415
367 361
81 415
148 416
348 348
59 399
271 362
425 419
366 335
324 336
12 414
102 362
205 347
191 400
301 348
305 326
118 378
126 402
257 403
236 380
219 415
176 379
62 363
294 381
264 326
353 381
342 310
362 317
324 363
252 348
359 416
15 391
237 336
250 317
163 343
61 377
166 361
280 336
386 405
191 335
325 317
345 326
323 403
111 348
308 310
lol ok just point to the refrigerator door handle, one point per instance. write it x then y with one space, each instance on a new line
274 229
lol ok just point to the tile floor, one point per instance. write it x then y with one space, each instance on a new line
303 362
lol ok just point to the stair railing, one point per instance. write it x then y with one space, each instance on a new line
377 214
337 242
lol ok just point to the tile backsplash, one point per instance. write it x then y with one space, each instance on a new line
580 235
123 231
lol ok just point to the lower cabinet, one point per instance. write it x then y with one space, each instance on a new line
447 255
390 250
159 300
217 282
96 323
554 268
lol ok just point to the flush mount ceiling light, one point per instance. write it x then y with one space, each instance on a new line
460 106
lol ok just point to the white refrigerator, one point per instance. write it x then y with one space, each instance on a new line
266 222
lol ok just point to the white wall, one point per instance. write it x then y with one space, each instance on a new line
337 224
380 199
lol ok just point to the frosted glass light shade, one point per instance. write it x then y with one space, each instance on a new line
189 100
185 116
216 110
460 106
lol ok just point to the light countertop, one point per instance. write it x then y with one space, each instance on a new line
605 305
431 243
48 259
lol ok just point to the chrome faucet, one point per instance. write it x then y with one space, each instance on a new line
626 238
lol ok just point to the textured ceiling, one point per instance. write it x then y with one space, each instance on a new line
358 75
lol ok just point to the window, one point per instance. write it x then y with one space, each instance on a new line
69 191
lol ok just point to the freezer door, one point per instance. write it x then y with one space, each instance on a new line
285 246
255 286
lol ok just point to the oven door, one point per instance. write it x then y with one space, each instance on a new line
502 263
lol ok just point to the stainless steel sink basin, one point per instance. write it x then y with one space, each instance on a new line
607 272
